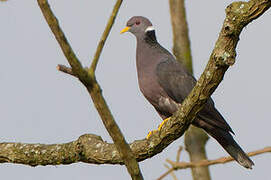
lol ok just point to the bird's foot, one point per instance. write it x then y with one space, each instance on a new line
159 128
151 133
161 125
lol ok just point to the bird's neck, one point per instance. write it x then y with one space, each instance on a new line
149 51
146 53
150 37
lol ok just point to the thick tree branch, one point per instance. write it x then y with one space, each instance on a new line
89 80
195 138
88 148
92 149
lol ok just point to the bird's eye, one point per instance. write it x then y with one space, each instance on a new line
137 22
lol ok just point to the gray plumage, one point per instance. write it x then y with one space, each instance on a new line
165 83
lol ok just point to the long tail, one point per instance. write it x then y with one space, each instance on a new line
226 140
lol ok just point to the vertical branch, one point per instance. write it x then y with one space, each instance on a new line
181 43
103 109
89 80
195 138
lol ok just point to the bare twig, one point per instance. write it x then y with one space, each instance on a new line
184 165
108 27
165 174
171 173
65 69
223 160
171 170
179 154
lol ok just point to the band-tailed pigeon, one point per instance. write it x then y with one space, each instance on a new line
165 83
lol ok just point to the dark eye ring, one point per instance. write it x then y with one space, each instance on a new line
137 22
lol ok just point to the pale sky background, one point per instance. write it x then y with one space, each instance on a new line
38 104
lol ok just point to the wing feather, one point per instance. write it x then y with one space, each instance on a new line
178 83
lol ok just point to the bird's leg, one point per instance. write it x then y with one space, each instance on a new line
161 125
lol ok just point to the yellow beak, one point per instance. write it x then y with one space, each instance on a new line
125 30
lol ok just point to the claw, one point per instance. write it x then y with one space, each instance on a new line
161 125
159 128
150 133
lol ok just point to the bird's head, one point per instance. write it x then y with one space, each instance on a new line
139 26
